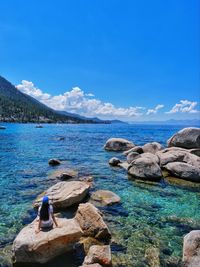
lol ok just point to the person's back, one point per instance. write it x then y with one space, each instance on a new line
45 215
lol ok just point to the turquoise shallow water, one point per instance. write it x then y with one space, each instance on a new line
149 216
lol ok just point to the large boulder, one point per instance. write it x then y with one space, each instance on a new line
145 168
186 138
91 222
65 194
29 247
176 154
105 197
191 249
118 144
99 254
152 147
133 156
184 171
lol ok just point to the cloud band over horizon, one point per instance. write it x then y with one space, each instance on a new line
77 101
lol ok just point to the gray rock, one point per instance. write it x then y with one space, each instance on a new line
132 156
152 147
68 174
99 254
152 256
54 162
29 247
150 156
118 144
195 151
65 194
145 168
105 197
186 138
114 161
184 171
176 154
91 222
124 165
137 149
191 249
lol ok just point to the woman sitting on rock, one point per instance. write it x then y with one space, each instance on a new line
45 215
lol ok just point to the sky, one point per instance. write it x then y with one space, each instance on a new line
114 59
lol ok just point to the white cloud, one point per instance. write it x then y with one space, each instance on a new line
29 89
154 110
79 102
184 106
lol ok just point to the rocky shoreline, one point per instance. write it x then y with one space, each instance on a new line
150 162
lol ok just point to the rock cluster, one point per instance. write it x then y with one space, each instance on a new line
181 158
30 247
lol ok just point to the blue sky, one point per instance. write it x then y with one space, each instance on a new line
137 60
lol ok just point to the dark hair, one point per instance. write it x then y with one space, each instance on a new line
44 212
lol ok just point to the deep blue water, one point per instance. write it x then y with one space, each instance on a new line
143 218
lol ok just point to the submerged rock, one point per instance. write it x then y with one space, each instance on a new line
114 161
118 144
191 249
106 197
184 171
152 257
152 147
186 138
54 162
29 247
145 168
100 255
91 222
65 194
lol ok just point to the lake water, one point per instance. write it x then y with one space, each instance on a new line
149 216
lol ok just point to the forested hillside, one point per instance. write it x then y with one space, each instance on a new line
18 107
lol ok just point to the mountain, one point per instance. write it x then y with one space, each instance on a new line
194 122
16 106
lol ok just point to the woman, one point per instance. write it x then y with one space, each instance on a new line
45 215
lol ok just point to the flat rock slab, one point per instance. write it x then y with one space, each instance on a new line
118 144
106 197
99 254
29 247
91 222
65 194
